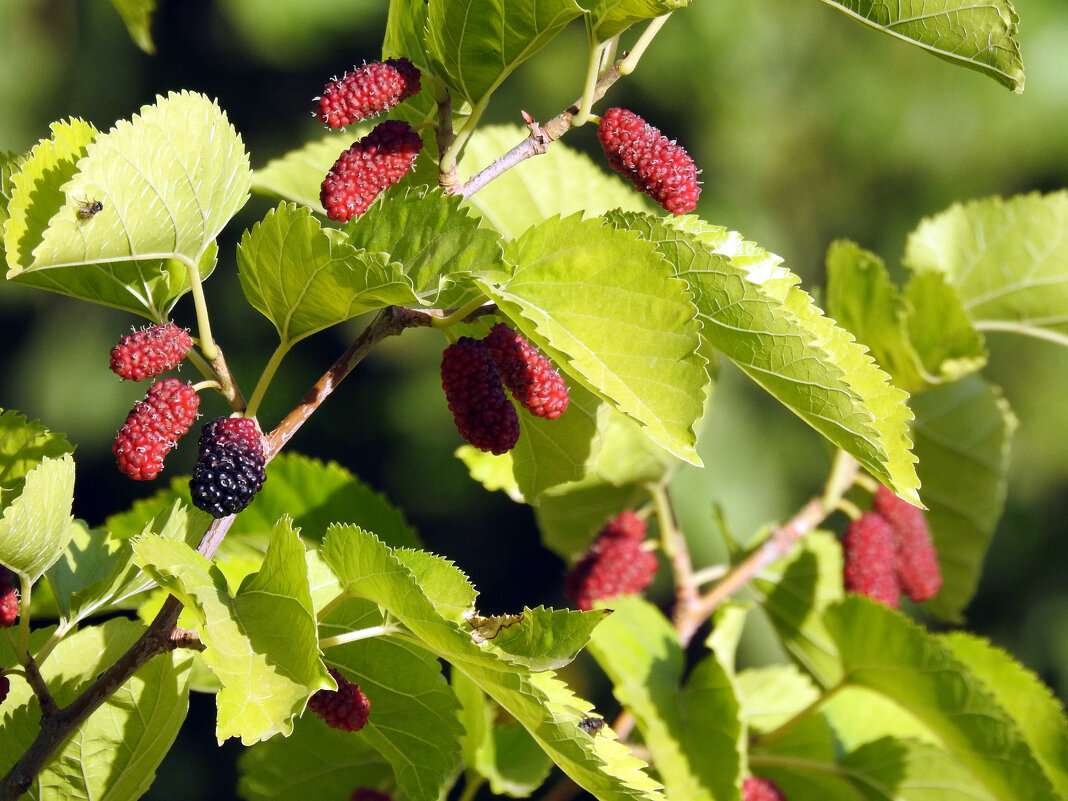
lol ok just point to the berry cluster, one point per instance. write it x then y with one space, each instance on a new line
888 551
150 351
9 599
368 90
474 373
153 428
656 165
616 564
368 168
345 708
229 469
756 789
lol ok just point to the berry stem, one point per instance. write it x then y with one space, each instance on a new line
265 377
196 286
630 61
452 155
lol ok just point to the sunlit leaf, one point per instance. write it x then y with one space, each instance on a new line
37 526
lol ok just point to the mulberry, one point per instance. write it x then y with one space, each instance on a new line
150 352
9 599
918 572
367 794
616 564
870 556
756 789
653 163
368 168
229 469
368 90
154 426
529 376
345 708
482 412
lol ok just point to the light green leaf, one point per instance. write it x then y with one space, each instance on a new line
753 312
1035 710
611 314
413 719
406 32
493 471
115 753
884 651
547 639
429 239
304 278
546 708
37 526
442 581
22 446
977 36
963 431
169 180
137 14
313 762
611 17
692 733
10 163
261 642
910 770
298 175
1008 260
941 333
772 695
560 182
795 592
860 716
473 45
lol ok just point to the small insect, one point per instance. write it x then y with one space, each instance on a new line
591 725
87 208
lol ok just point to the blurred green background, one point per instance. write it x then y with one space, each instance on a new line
808 128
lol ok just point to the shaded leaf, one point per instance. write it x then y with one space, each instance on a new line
611 17
137 14
947 342
22 447
909 770
37 526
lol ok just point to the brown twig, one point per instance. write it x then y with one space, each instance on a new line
49 708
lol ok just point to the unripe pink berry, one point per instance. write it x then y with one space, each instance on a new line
870 556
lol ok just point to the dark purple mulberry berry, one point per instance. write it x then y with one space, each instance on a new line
368 90
9 599
150 352
756 789
154 426
918 572
649 160
229 470
5 688
530 377
870 556
616 564
482 412
368 168
367 794
345 708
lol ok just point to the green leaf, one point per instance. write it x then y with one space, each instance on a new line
753 312
560 182
795 592
943 336
1008 260
261 641
313 762
1035 710
473 45
442 581
304 278
547 639
429 239
611 17
22 447
611 314
114 754
962 432
37 526
692 733
771 695
413 721
298 175
884 651
546 708
860 716
909 770
137 14
169 180
569 520
406 32
977 36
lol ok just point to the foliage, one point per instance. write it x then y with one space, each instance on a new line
635 310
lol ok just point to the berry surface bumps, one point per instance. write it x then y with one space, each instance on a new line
529 376
369 167
150 352
229 469
345 708
9 599
653 163
482 412
756 789
368 90
616 564
870 556
153 427
918 572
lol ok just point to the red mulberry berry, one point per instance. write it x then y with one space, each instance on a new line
229 469
616 564
368 168
532 380
757 789
649 160
154 426
367 794
482 412
368 90
9 599
150 352
870 555
917 562
345 708
5 688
